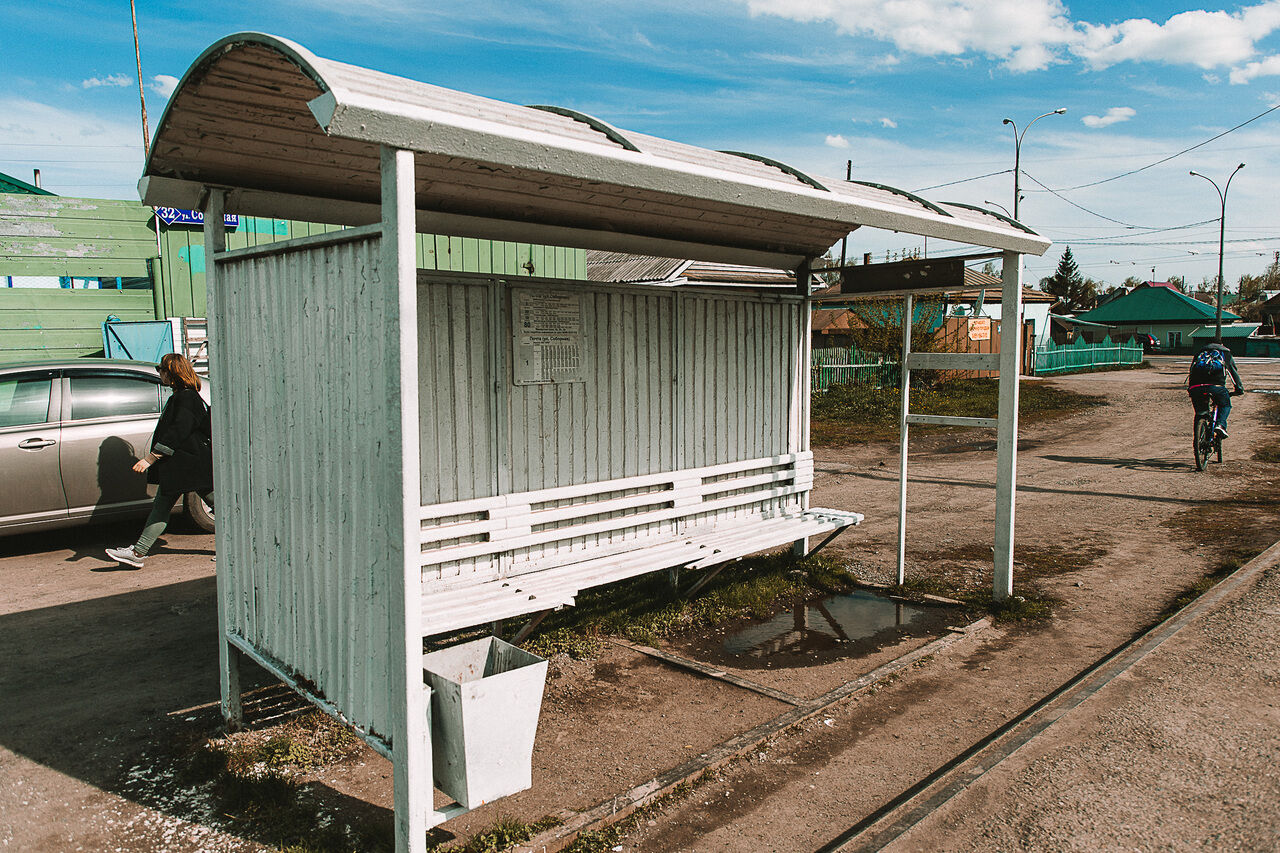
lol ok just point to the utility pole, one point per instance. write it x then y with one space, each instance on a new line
142 99
844 244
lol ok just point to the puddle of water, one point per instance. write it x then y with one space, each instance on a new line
855 618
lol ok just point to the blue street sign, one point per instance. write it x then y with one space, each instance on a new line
174 216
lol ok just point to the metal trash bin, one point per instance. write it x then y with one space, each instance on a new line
485 699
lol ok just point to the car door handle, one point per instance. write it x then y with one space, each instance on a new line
35 443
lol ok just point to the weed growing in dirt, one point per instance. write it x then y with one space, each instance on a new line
505 832
1200 587
601 840
1268 450
857 414
254 777
646 609
1028 604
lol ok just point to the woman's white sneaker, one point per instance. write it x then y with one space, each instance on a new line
126 556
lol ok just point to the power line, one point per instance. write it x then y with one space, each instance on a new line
1080 207
963 181
1166 159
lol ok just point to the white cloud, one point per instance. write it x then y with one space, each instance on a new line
164 84
1115 115
115 80
1198 37
1268 67
888 122
1030 35
835 140
1021 33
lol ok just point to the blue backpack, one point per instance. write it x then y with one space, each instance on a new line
1208 368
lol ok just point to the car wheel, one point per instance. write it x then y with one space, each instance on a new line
200 513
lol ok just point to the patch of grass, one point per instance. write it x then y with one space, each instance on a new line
254 777
1027 604
505 832
857 414
601 840
646 610
1206 583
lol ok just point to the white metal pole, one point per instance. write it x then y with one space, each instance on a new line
1007 423
410 697
229 656
908 311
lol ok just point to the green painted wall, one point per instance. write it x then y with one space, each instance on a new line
36 323
62 236
58 235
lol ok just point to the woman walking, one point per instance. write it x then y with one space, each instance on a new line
181 457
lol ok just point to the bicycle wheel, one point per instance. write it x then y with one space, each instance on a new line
1202 439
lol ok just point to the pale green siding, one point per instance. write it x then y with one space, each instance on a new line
37 323
61 236
47 235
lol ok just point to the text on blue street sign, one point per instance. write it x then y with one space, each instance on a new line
174 216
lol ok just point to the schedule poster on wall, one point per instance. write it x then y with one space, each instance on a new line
548 337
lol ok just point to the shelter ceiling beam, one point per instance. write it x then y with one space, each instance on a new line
172 192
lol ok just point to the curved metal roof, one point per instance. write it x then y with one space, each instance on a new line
292 134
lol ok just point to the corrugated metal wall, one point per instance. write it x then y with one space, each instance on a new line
182 262
304 424
738 374
674 380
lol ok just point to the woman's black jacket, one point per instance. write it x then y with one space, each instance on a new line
182 443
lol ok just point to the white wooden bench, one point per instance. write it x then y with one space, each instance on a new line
501 557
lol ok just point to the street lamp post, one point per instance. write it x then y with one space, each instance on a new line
1222 234
1017 151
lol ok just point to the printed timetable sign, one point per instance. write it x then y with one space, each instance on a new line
548 337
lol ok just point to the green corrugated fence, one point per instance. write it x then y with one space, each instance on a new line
842 366
1085 356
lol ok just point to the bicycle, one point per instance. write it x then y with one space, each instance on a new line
1204 439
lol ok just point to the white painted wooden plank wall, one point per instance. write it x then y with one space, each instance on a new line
310 422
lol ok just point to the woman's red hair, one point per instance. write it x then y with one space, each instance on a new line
184 375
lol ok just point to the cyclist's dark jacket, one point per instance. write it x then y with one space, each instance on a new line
1197 379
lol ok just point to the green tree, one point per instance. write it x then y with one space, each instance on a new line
1075 291
1131 282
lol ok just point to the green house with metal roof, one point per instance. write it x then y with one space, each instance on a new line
1168 314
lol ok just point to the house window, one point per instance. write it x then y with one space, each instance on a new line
1175 339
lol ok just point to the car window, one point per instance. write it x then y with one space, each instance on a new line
113 396
24 401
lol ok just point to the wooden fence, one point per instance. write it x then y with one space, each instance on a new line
1085 356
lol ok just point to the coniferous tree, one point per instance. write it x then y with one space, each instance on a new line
1076 292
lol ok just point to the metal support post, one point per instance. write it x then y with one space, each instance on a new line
230 658
1007 423
908 312
410 717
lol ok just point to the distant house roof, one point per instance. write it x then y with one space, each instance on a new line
1148 304
618 267
10 184
829 320
1235 330
975 281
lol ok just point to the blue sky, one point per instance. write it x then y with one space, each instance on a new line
912 91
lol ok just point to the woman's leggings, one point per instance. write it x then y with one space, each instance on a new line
158 520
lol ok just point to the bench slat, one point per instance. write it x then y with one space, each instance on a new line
463 607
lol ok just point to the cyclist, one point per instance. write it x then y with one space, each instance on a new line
1207 381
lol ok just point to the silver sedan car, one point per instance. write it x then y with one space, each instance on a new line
70 432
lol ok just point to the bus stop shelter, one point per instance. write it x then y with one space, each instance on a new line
401 453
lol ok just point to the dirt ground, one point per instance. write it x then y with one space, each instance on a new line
105 671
